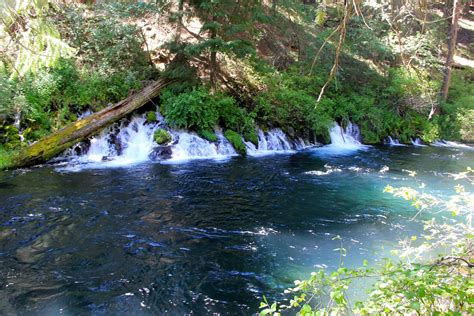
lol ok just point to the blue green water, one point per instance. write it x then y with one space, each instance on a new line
203 236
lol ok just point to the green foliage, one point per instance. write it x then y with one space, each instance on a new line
207 134
6 157
106 43
286 104
9 137
162 136
34 40
151 116
6 91
236 140
193 110
456 121
251 135
200 110
127 9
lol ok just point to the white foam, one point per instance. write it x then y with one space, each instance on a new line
343 141
417 142
394 142
450 144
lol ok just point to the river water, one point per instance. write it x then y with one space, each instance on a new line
203 236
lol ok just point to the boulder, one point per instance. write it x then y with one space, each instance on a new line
161 153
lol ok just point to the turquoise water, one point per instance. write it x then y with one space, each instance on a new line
202 236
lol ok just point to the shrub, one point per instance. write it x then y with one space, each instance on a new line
192 110
200 110
162 137
9 137
6 158
236 140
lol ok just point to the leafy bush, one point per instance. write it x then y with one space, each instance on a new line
51 98
456 120
200 110
6 158
236 140
193 110
162 136
9 137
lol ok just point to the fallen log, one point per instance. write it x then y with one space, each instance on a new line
56 143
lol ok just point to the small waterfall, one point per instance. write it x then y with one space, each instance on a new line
136 140
191 146
132 144
393 142
17 124
417 142
100 148
354 131
345 139
450 144
273 141
85 114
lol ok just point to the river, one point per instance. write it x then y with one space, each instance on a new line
202 236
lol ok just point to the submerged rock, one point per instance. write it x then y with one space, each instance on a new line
161 153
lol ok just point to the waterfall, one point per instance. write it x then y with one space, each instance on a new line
345 139
450 144
131 144
17 124
354 131
417 142
191 146
275 141
131 141
393 142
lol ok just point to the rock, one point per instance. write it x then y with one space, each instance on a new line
115 141
161 153
291 132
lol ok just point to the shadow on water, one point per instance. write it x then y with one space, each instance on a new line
202 236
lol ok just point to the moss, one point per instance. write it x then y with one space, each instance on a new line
251 136
162 137
236 140
151 117
207 134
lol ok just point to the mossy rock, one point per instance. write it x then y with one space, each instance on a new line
162 136
251 136
207 134
151 117
236 140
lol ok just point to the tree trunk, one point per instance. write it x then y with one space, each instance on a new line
180 21
213 59
52 145
451 49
